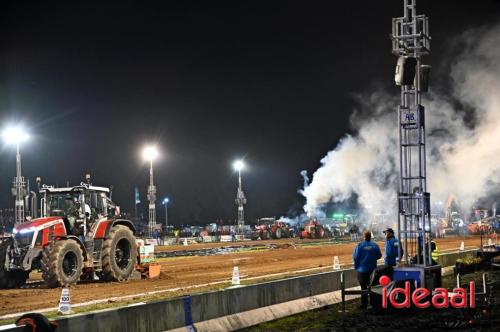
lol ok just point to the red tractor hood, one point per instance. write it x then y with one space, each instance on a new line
33 224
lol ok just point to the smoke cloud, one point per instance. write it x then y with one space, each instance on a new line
463 137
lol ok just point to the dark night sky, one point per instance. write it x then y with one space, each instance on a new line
209 81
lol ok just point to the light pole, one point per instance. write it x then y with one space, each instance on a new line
240 196
165 202
150 153
17 135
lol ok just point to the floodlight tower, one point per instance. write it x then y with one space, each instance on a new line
150 153
240 196
16 136
410 41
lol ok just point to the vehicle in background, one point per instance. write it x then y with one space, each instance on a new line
339 225
312 230
268 228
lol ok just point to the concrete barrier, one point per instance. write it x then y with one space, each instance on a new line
13 328
178 312
449 258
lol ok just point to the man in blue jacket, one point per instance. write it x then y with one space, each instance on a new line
365 258
391 247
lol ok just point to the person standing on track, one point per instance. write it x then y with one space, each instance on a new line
365 258
354 233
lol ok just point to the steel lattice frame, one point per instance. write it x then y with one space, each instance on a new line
152 202
410 38
240 201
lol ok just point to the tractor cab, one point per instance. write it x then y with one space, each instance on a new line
80 206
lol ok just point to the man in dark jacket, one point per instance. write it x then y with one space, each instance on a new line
391 247
365 258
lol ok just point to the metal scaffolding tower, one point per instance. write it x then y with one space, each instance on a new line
19 189
410 41
240 201
152 201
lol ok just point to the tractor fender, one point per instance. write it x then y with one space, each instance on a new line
115 222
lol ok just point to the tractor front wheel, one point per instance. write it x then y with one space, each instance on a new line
119 254
277 233
320 232
62 263
4 274
266 235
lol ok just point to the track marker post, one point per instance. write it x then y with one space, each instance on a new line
336 263
65 302
236 276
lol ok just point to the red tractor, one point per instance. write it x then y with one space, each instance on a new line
312 230
270 228
280 230
79 234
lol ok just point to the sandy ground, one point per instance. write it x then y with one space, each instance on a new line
195 270
196 246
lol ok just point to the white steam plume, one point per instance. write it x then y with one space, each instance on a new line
463 156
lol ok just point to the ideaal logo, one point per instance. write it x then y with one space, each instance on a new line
439 299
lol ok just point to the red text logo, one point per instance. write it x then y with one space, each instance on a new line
422 297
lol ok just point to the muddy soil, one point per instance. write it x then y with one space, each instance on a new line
196 270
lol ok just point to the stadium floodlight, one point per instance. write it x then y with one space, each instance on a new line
15 135
238 165
150 153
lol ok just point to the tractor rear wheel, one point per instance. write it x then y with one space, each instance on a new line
62 263
119 254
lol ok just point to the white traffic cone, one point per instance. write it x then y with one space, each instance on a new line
490 242
336 263
236 276
462 246
185 242
65 302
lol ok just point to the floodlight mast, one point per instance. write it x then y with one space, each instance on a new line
19 189
17 135
410 41
240 195
150 153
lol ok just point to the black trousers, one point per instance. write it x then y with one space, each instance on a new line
364 281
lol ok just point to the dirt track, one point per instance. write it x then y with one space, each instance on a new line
195 270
